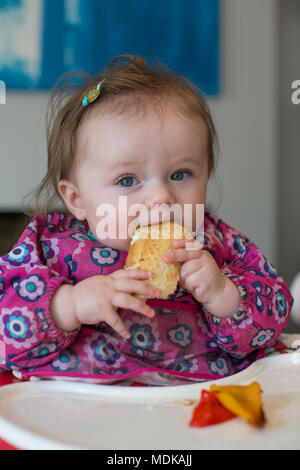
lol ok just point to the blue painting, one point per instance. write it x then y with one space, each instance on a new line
42 39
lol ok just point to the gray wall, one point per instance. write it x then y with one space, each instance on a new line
288 177
288 182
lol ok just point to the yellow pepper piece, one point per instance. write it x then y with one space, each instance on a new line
242 400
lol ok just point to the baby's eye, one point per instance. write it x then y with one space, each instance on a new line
178 175
126 181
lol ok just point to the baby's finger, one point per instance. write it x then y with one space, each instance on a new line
192 281
179 243
114 320
127 301
190 266
131 273
136 287
181 255
187 243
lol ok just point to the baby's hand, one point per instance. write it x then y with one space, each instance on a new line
199 274
97 298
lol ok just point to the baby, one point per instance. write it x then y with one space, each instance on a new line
69 309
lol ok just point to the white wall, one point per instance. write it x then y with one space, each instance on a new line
244 114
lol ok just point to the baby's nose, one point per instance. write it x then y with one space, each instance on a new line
160 196
159 200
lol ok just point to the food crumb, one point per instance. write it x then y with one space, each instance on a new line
188 402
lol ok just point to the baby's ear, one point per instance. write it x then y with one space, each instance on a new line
71 197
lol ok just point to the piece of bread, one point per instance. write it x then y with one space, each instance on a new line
149 243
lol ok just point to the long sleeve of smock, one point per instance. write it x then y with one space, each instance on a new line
29 276
265 300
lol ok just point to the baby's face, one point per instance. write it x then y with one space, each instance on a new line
149 160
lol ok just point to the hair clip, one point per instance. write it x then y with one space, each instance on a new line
92 95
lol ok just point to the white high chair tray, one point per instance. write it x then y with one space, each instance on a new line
72 415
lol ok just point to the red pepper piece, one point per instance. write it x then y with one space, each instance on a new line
209 411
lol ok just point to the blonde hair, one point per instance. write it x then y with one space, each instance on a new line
127 83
